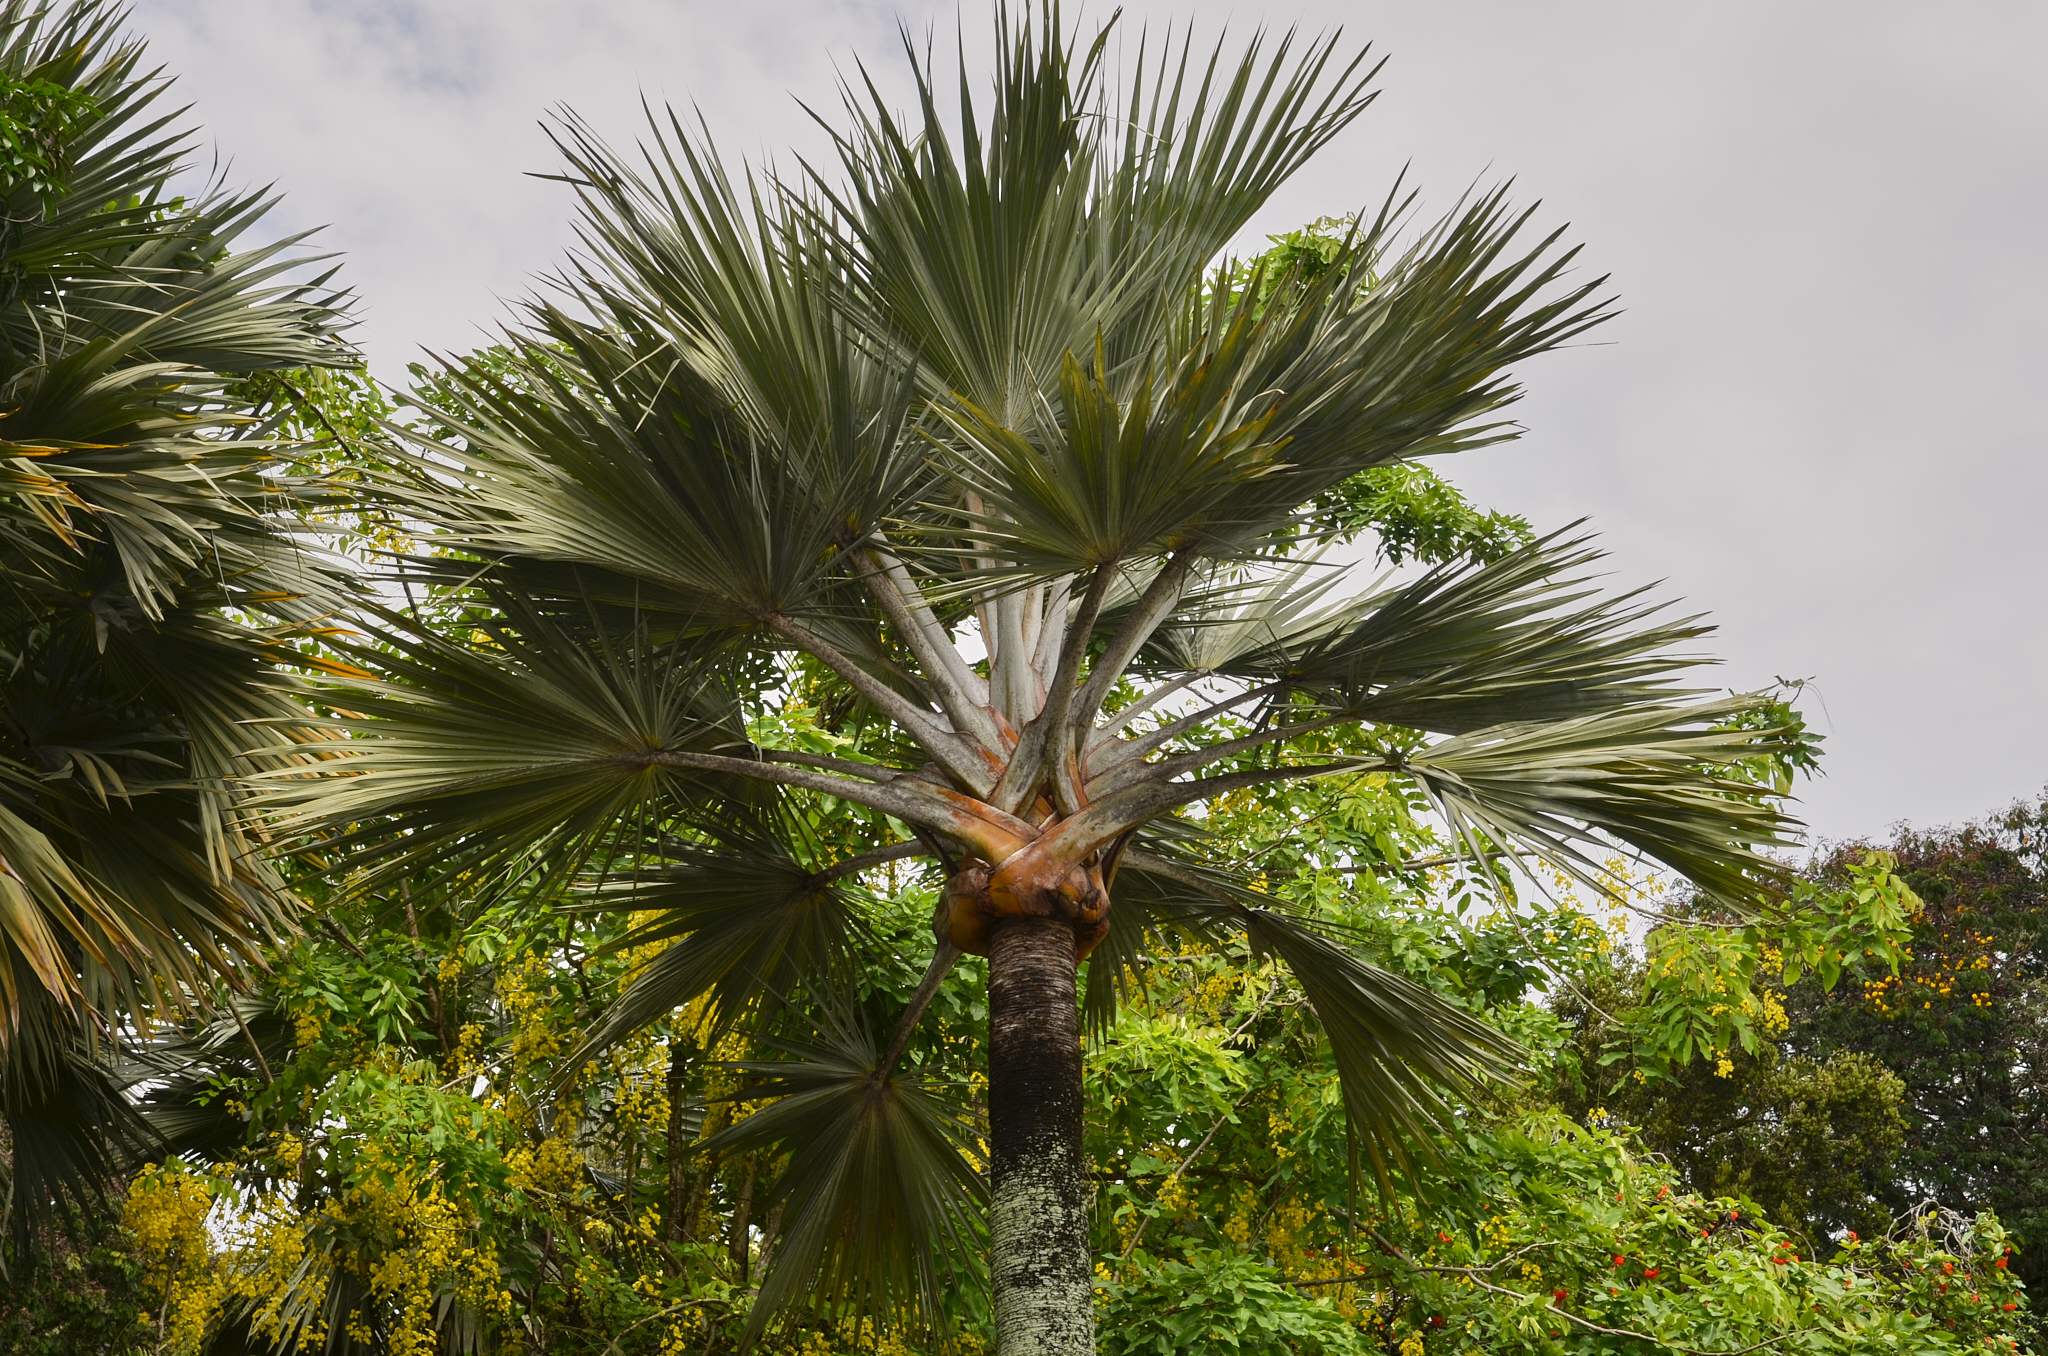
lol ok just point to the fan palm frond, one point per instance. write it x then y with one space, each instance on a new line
880 1183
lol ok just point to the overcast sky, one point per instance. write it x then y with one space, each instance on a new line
1819 419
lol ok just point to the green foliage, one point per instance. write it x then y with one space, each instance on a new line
1417 515
1222 1301
1815 1143
1710 989
38 117
66 1298
1963 1023
1796 751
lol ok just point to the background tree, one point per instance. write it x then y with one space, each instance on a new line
1912 1080
971 437
1815 1142
1963 1024
154 579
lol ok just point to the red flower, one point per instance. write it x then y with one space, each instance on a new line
2008 1306
1436 1320
2000 1264
1650 1271
1558 1295
1619 1259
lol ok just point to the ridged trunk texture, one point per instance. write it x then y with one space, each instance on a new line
1038 1217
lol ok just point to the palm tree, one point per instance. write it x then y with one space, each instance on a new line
153 577
982 429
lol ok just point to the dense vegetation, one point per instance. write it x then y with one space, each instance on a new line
559 1026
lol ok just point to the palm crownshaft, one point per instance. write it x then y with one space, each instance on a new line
972 430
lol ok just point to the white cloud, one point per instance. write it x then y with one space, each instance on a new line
1818 415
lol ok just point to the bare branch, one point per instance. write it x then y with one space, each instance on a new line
927 989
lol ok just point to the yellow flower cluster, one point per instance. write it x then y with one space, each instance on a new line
166 1210
526 990
257 1255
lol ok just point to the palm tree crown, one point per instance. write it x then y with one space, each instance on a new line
981 427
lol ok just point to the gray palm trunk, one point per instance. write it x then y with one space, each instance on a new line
1038 1213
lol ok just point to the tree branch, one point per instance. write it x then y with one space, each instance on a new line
927 988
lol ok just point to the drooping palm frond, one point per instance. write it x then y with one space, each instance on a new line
1642 776
72 1134
175 1078
750 909
1403 1053
563 742
880 1183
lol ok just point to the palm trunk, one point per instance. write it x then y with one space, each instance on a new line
740 1246
678 1150
1038 1218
